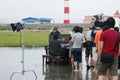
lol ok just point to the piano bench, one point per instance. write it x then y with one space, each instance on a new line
47 57
53 59
57 60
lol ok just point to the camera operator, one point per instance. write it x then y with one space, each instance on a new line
88 47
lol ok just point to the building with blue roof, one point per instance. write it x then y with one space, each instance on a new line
34 20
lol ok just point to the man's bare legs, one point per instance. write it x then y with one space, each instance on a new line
95 65
87 59
95 58
114 77
87 63
101 77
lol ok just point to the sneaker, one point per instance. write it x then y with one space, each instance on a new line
88 67
94 70
47 62
92 66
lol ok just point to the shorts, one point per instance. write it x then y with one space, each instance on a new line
77 54
103 67
94 53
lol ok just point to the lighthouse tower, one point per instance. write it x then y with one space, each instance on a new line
66 12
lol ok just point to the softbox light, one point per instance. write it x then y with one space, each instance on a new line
14 27
99 16
17 26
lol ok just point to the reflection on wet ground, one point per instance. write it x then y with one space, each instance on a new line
10 61
60 72
64 72
57 72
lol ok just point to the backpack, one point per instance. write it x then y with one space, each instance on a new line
88 45
93 33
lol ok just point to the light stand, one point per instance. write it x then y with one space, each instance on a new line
23 70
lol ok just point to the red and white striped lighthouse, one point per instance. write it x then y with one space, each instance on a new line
66 12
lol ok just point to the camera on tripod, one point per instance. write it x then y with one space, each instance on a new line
98 16
17 26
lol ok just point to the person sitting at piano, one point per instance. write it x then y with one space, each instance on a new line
55 49
55 31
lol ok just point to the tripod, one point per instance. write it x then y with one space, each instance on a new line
23 70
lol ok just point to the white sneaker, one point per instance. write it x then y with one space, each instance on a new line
119 71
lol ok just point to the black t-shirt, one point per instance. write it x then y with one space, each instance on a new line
93 34
54 47
52 35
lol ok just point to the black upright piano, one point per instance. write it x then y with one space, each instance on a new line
64 39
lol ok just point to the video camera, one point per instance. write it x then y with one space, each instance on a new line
17 26
98 16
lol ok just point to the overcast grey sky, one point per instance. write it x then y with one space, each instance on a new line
15 10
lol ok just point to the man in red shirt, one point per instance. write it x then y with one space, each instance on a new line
107 46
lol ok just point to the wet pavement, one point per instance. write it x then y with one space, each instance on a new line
11 67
